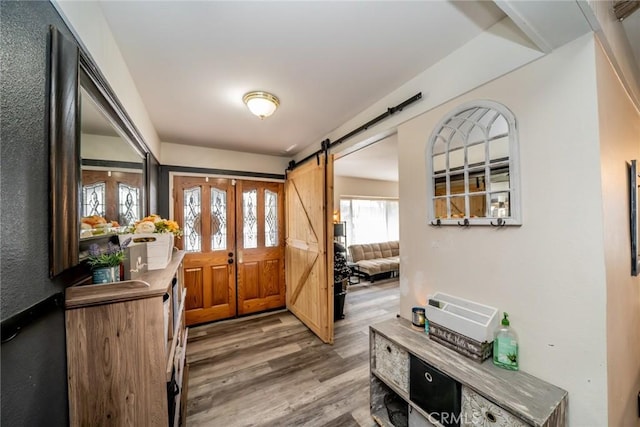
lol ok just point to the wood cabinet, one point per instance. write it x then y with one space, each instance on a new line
126 347
411 375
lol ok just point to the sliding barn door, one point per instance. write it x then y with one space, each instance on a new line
309 257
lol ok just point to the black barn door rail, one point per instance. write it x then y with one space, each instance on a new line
327 145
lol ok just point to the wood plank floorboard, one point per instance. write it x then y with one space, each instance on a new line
271 371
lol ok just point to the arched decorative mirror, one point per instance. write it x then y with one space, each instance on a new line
98 159
472 159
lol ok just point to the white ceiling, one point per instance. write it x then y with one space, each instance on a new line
326 61
94 121
381 160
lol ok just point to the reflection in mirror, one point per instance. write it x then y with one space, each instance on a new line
476 135
456 158
457 141
500 205
476 205
456 184
472 157
499 149
72 70
112 174
457 207
476 154
439 156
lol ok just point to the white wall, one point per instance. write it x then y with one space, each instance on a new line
344 186
619 143
107 148
495 52
201 157
88 23
549 273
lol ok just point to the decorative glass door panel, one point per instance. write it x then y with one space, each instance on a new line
129 200
218 219
250 219
235 259
261 248
205 210
93 199
192 219
113 195
271 225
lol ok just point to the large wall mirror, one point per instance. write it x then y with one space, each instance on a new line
98 159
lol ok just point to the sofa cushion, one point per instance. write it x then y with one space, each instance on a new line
368 251
379 265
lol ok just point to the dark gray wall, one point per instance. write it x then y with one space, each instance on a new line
34 386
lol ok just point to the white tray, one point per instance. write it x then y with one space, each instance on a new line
469 318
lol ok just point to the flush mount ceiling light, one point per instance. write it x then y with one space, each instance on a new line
262 104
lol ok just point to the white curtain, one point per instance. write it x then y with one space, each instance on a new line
370 221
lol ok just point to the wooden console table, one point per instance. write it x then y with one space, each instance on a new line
484 394
126 350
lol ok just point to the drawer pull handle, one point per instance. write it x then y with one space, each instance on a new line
490 417
389 349
428 377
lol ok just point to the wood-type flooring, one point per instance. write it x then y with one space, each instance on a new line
270 370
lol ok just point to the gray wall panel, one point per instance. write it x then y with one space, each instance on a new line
34 386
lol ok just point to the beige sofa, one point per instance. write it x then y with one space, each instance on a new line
376 259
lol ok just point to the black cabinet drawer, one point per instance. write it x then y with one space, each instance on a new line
437 394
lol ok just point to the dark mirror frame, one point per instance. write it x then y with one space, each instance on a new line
71 67
634 215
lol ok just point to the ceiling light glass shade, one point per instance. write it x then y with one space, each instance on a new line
262 104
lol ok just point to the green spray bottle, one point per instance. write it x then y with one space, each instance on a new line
505 346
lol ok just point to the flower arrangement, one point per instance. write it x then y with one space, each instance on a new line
112 256
155 224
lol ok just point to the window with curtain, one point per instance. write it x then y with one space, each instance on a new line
370 220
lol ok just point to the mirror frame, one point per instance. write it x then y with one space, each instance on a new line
634 215
70 68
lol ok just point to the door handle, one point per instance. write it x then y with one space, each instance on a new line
230 260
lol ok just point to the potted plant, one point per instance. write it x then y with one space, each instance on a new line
105 263
341 274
